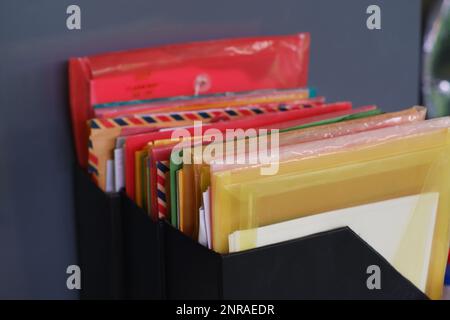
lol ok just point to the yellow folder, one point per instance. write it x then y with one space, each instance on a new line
377 170
200 171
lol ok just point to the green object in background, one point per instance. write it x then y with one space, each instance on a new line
436 77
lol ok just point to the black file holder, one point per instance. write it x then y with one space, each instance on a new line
329 265
119 246
99 232
143 253
125 254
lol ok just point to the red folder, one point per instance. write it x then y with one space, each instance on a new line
137 142
246 64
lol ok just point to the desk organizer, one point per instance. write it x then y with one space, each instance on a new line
329 265
143 258
125 255
99 232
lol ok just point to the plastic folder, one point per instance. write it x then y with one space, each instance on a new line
344 172
137 142
197 176
338 124
341 126
228 65
193 203
165 152
358 120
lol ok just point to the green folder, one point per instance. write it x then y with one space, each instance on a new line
173 188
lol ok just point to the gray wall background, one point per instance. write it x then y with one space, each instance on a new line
37 236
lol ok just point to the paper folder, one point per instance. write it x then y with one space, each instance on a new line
400 161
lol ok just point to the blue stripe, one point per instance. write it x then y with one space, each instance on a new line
257 111
94 124
162 167
148 119
177 117
91 169
231 112
120 122
204 115
161 195
447 276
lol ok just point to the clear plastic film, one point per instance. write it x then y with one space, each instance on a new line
226 65
289 139
344 172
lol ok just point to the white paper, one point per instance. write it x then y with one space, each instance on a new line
119 169
206 206
202 239
109 176
383 225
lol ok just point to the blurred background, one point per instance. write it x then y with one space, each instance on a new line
436 57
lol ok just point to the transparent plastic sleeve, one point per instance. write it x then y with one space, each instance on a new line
288 140
209 67
343 172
